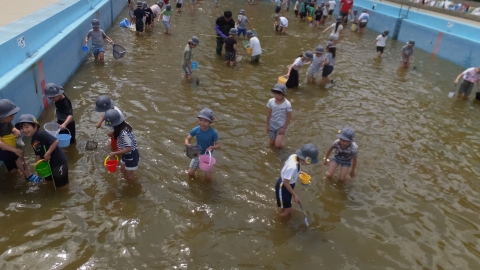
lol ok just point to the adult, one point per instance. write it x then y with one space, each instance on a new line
222 27
345 8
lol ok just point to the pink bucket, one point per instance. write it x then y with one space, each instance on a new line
206 162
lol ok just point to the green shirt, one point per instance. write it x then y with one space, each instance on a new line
311 11
187 55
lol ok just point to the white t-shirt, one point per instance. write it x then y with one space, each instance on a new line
331 4
363 17
290 170
470 75
381 40
156 9
325 11
255 45
279 113
296 5
336 33
298 63
283 22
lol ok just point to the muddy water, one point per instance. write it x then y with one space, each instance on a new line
413 205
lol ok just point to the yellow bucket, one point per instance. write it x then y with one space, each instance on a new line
249 50
310 18
354 27
282 80
10 140
305 178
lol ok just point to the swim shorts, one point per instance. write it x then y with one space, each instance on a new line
240 31
274 133
465 88
131 160
284 197
166 24
327 70
230 56
98 49
380 49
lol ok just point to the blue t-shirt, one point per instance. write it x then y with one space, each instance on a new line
204 138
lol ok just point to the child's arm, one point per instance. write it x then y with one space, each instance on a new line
65 124
215 146
123 151
16 132
99 123
354 164
290 70
287 122
327 28
458 78
325 160
188 139
269 116
375 42
109 39
50 150
286 184
86 40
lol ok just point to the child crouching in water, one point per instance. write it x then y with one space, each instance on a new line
284 189
292 75
45 147
279 115
104 104
207 139
346 151
126 142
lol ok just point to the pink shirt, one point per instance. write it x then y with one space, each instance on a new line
471 75
156 9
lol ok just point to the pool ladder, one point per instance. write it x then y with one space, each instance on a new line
402 15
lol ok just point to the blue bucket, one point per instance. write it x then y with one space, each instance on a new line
64 139
194 65
125 23
85 48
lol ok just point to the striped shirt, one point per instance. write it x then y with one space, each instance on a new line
127 139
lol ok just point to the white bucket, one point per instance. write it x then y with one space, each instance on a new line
52 128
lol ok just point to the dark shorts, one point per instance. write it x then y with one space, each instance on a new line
284 197
343 13
302 15
362 25
296 12
318 18
131 160
59 175
255 59
9 158
465 88
179 5
330 12
380 49
240 31
277 9
148 21
327 70
139 26
230 56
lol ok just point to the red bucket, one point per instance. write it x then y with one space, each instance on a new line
111 164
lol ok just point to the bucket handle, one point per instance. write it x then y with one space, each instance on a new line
210 162
106 159
66 129
38 162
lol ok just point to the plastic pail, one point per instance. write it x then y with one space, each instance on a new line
64 139
111 164
305 178
10 139
85 48
310 18
354 27
282 80
249 50
52 128
43 168
125 23
206 162
194 65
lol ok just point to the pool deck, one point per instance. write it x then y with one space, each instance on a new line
22 9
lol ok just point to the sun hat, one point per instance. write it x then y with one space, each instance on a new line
385 33
139 3
53 90
104 104
168 7
95 23
144 4
355 11
339 19
280 88
308 55
7 108
330 45
249 33
346 134
233 31
309 153
207 114
194 40
242 11
26 118
113 118
319 49
364 10
411 42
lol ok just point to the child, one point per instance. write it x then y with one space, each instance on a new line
380 42
156 11
314 68
325 11
354 21
64 109
292 74
346 151
335 31
188 56
318 17
331 7
179 5
279 115
242 23
131 6
230 47
207 138
148 16
470 77
303 11
97 35
166 16
139 13
311 11
104 104
281 24
11 156
295 8
45 147
306 155
256 48
328 63
363 20
126 142
407 52
192 3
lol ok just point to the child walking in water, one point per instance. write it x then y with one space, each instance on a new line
317 62
354 21
230 47
284 189
207 139
139 13
166 17
337 29
279 115
292 74
407 52
64 109
97 35
188 56
126 142
328 63
346 151
470 77
380 42
242 23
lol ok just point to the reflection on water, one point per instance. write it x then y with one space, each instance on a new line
414 203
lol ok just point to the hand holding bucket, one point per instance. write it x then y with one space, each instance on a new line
206 162
111 164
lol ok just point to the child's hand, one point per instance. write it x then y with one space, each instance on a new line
98 125
282 131
288 75
352 173
325 161
18 152
111 155
16 132
47 156
296 198
63 126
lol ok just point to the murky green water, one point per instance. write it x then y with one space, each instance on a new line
413 205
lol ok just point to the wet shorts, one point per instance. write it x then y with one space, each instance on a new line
332 37
302 15
179 5
380 49
327 70
296 12
98 49
284 197
166 24
343 13
187 70
313 73
59 175
341 162
362 25
318 18
330 12
255 59
465 88
274 133
139 26
277 9
131 160
9 158
195 162
240 31
230 56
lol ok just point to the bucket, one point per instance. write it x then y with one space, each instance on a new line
282 80
125 23
310 18
42 167
305 178
111 164
85 48
113 144
194 65
206 162
354 27
52 128
249 50
10 139
64 139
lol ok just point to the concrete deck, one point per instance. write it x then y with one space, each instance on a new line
21 9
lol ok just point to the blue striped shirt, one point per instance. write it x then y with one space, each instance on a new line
127 139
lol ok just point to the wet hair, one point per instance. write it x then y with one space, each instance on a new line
227 14
117 130
336 26
332 50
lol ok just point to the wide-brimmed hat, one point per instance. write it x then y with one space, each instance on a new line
355 12
26 118
346 134
194 40
233 31
53 90
308 55
113 118
207 114
168 7
249 33
104 104
95 23
385 33
242 11
319 49
7 108
139 3
339 19
411 42
144 4
330 45
309 153
280 88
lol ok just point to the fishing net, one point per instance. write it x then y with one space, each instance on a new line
118 51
